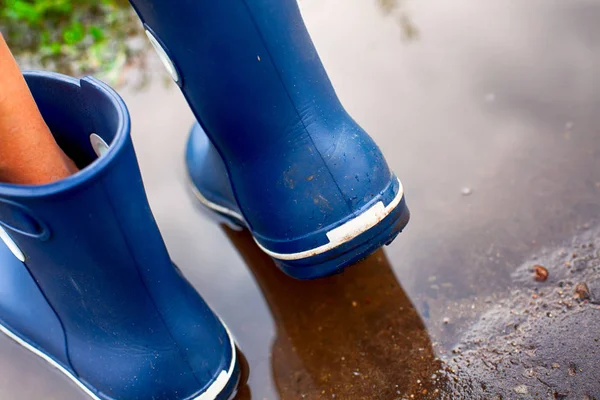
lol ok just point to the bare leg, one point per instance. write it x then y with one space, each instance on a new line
28 152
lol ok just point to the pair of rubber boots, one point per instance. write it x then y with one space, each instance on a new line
86 281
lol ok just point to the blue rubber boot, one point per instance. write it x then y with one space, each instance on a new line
303 176
86 282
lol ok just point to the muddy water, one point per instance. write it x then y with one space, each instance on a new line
488 112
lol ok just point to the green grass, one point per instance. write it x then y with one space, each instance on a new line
75 37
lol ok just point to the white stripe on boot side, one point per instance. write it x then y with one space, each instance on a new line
215 206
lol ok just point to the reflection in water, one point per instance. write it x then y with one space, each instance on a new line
243 391
354 335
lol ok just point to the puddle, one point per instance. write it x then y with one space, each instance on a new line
489 115
353 335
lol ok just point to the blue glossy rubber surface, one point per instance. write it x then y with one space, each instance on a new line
298 165
109 304
209 178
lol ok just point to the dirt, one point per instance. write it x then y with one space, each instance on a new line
542 341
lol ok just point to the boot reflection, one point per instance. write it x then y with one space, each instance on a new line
350 336
243 391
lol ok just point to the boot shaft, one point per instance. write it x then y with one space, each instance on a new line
82 237
248 69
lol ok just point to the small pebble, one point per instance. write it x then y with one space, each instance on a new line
540 273
594 288
582 292
466 191
446 320
521 389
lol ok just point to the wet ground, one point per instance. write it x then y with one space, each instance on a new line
488 111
